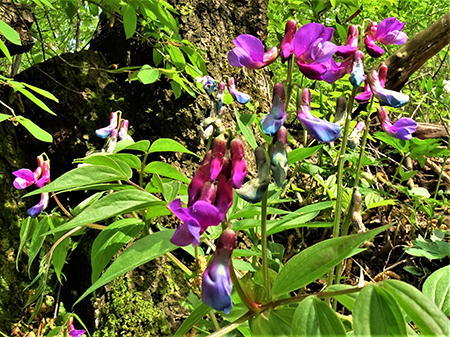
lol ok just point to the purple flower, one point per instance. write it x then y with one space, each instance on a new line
196 219
275 119
314 51
208 83
249 53
218 151
238 163
287 45
38 208
72 331
106 131
387 97
253 190
366 95
401 129
200 178
123 131
319 129
353 139
357 75
26 177
238 96
216 282
45 167
389 31
352 43
279 163
369 40
224 198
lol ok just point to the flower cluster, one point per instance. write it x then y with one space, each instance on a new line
389 31
40 176
213 124
117 129
216 282
210 193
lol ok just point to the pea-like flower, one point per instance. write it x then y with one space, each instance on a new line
26 177
196 219
389 32
401 129
369 40
218 151
240 97
275 119
208 83
319 129
357 75
123 131
387 97
314 51
216 282
355 136
106 131
351 46
238 163
279 163
38 208
249 53
287 45
74 332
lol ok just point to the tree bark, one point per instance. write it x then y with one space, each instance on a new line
424 45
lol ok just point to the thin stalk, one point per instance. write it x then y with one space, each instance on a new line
252 306
66 212
289 82
212 315
180 264
396 172
265 261
141 171
440 177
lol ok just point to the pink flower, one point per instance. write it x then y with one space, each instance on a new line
249 53
287 45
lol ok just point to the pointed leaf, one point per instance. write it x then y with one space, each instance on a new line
37 240
168 145
437 288
143 251
166 170
113 204
35 100
430 320
314 318
316 260
35 130
246 131
9 33
196 315
376 313
129 20
5 51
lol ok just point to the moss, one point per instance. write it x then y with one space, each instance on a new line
145 302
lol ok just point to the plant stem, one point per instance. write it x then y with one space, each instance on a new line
180 264
396 172
212 315
141 171
265 261
242 295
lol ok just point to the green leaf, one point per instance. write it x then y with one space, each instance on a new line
37 240
170 190
176 56
157 56
429 85
168 145
148 74
196 315
314 318
35 130
246 131
26 230
429 249
113 204
376 313
419 192
141 145
9 33
162 14
347 300
430 320
195 58
437 288
280 321
81 176
176 88
144 250
42 92
259 326
60 252
104 159
5 51
401 146
166 170
131 160
110 241
316 260
35 100
129 20
303 153
342 32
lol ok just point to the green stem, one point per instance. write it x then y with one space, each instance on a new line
396 172
440 176
180 264
141 171
252 306
265 261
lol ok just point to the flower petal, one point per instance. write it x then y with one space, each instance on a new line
189 232
319 129
25 178
206 214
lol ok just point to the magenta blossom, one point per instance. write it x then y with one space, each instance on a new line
352 43
216 282
279 163
389 32
26 177
123 131
38 208
196 219
217 156
275 119
319 129
314 51
366 95
74 332
240 97
369 40
106 131
238 163
45 167
287 45
401 129
249 53
387 97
